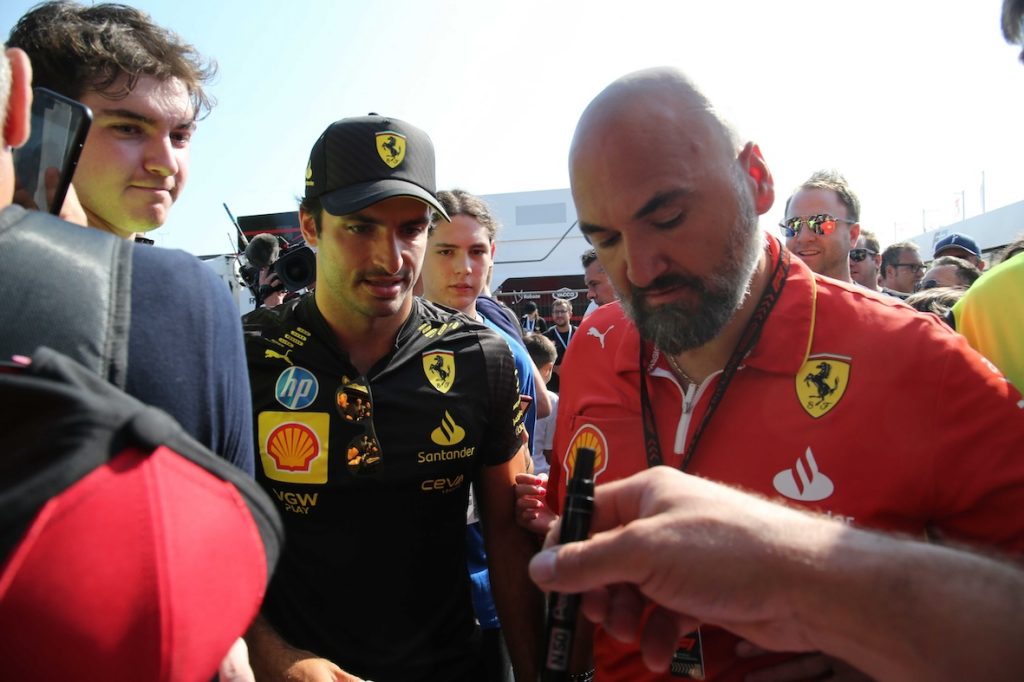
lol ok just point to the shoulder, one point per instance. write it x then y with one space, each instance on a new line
608 325
263 319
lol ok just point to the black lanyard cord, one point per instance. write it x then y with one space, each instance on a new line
749 338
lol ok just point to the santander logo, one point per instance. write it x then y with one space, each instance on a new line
804 482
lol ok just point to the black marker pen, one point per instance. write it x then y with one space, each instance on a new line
563 608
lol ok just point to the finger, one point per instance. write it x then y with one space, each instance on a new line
594 605
531 480
625 613
585 565
660 638
807 667
23 198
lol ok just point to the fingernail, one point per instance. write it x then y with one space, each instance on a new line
542 566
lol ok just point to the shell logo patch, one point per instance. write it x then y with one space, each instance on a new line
587 436
439 366
448 433
391 148
293 446
821 383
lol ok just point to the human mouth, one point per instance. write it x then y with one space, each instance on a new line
667 290
385 287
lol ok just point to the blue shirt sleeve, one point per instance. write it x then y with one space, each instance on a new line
185 352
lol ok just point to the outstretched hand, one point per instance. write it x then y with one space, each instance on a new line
698 551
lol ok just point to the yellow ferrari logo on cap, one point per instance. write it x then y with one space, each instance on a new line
821 383
309 174
391 148
587 436
440 369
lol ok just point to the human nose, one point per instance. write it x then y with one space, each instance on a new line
161 157
463 263
388 253
645 261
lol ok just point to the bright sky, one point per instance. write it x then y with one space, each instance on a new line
911 99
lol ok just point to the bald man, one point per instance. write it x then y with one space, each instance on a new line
728 358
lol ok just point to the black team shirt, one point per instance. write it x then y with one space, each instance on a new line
373 575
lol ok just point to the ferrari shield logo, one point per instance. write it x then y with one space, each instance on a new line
587 436
821 383
439 367
391 148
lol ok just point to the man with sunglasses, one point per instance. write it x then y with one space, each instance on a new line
728 358
374 412
902 269
865 258
821 224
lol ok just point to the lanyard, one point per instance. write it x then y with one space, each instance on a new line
564 342
751 333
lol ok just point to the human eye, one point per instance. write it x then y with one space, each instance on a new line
126 129
414 230
359 228
444 252
605 240
181 138
673 219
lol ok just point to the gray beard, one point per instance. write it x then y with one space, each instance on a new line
677 327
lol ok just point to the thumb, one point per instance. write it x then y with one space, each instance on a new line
588 564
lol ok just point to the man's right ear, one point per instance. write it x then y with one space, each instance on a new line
19 102
307 225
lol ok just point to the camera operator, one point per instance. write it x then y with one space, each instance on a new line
277 271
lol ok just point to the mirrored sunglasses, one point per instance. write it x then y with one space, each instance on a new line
859 254
355 405
823 224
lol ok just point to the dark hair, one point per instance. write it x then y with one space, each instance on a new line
891 255
936 300
78 48
588 257
314 207
966 271
460 202
529 306
541 349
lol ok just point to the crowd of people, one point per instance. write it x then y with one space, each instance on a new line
799 475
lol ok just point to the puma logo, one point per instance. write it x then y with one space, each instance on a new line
599 335
272 354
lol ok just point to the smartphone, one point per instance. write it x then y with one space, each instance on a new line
59 127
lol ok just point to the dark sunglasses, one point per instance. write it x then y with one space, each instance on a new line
859 254
355 405
823 224
918 268
926 284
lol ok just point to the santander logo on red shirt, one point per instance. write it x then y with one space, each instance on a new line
804 482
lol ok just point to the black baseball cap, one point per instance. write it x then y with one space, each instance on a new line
360 161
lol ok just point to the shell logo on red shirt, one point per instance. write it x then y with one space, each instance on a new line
587 436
